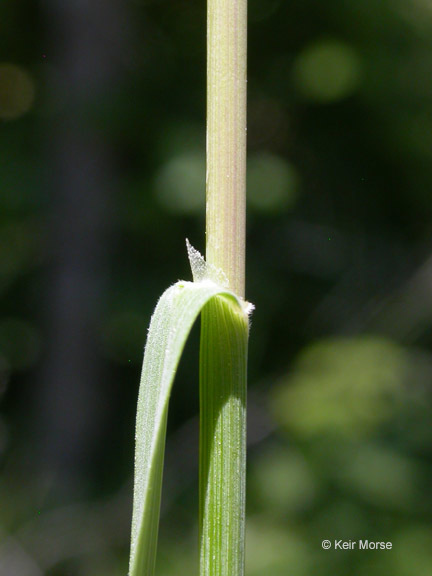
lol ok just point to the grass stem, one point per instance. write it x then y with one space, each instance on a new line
226 139
224 330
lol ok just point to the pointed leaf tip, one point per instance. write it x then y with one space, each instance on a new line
197 263
201 270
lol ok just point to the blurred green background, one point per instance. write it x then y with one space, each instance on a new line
102 177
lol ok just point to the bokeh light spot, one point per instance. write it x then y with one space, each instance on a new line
327 71
17 91
268 473
381 476
270 550
272 183
180 183
345 387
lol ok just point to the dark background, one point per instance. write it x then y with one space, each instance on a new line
102 177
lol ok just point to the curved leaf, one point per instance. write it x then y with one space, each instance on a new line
170 326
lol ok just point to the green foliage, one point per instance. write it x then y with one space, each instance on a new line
347 387
171 323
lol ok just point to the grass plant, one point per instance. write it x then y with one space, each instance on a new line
217 291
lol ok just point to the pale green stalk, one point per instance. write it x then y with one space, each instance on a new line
224 333
226 139
217 290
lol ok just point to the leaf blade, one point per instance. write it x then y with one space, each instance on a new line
170 326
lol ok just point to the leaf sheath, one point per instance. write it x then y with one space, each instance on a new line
223 365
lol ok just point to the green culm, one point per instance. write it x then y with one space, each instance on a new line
217 292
